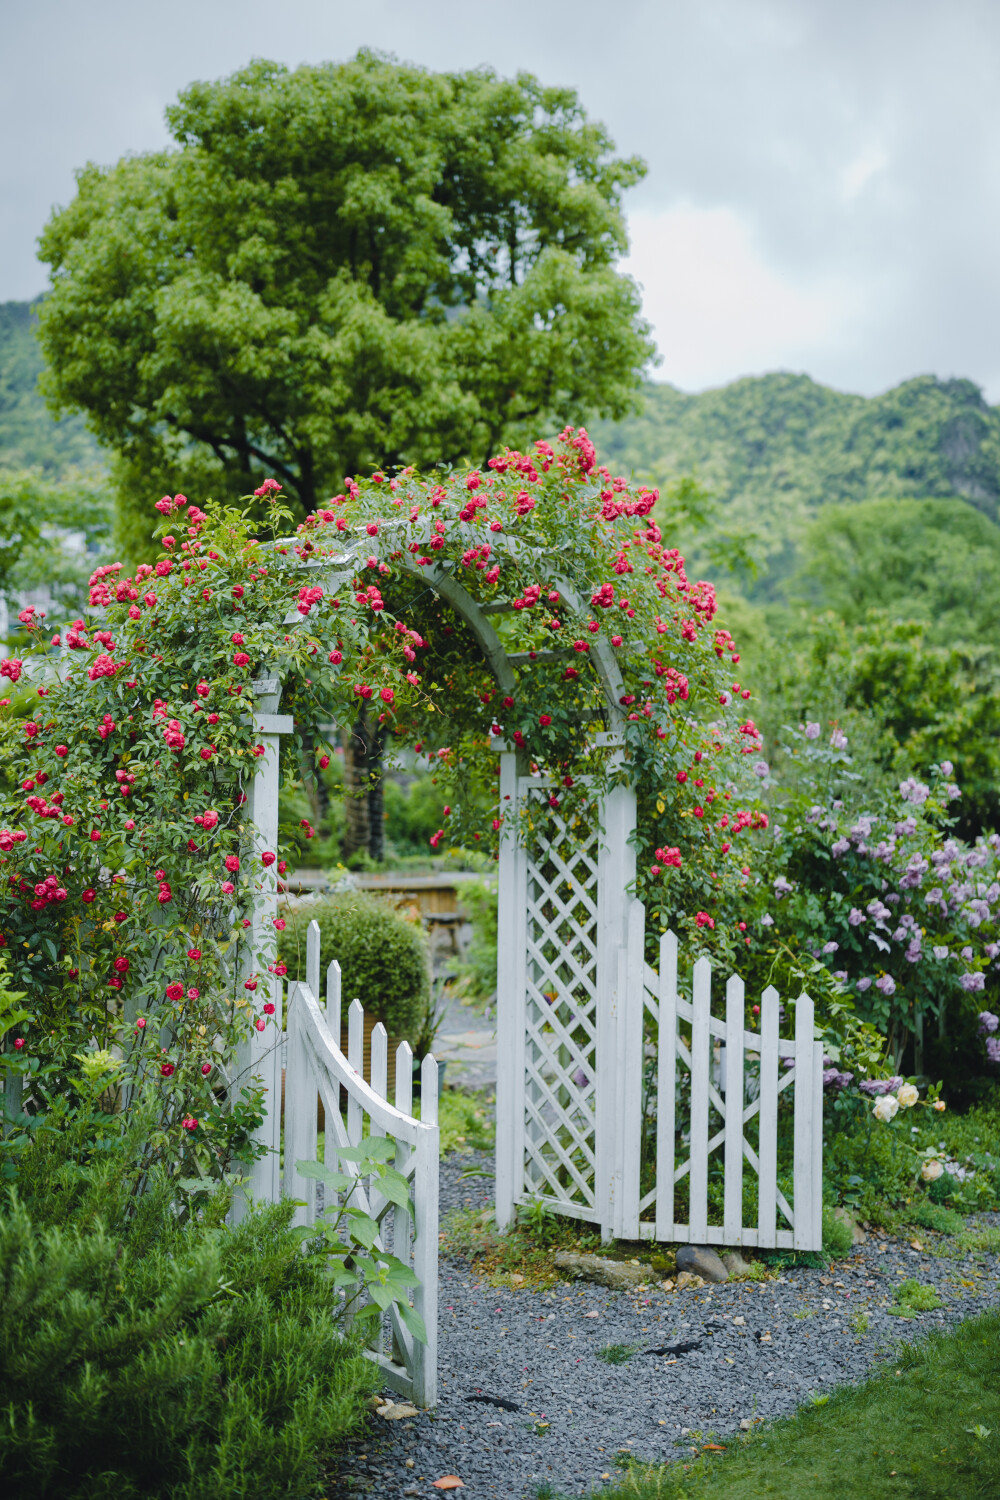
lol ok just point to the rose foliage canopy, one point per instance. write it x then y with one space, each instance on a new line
339 266
536 601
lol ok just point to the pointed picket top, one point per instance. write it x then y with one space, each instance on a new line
429 1090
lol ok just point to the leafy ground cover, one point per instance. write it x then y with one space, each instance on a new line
466 1121
927 1428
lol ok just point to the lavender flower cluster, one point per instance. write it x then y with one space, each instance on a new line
879 1086
988 1024
927 881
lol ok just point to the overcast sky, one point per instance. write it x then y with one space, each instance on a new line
823 174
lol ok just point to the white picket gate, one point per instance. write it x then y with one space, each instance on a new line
688 1038
315 1071
576 1000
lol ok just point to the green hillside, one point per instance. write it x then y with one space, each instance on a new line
29 436
775 449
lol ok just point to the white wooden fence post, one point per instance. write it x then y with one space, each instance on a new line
356 1058
701 1003
767 1172
817 1153
666 1087
733 1208
804 1185
630 1072
510 1002
615 873
300 1112
401 1223
425 1250
255 1057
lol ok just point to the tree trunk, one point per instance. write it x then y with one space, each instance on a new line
376 796
364 801
357 826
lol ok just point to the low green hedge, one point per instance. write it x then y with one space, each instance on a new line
155 1361
383 957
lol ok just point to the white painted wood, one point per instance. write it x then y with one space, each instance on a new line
510 999
616 1075
701 1001
402 1224
426 1246
516 1126
768 1108
300 1108
804 1185
817 1146
631 1071
314 1054
733 1191
312 958
356 1058
666 1096
615 873
333 991
380 1070
571 1071
250 1062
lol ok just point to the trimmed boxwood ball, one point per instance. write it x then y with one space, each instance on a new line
383 957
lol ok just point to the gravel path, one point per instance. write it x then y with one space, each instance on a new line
761 1349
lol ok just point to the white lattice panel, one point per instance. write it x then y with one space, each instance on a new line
560 1011
560 1019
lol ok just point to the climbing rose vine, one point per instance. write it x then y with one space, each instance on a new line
132 874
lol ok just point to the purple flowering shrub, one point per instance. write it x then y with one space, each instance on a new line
882 908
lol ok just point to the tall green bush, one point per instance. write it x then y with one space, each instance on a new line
383 956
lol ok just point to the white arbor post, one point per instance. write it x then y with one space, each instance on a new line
260 1055
615 873
568 1013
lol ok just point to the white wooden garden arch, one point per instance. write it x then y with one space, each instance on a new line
575 992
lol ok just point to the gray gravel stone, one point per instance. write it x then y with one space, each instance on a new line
762 1349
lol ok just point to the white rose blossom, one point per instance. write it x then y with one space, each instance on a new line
885 1108
931 1170
907 1095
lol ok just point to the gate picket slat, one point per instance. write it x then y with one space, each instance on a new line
301 1094
802 1196
768 1147
817 1146
666 1087
380 1069
356 1058
312 957
701 1001
425 1250
333 990
733 1202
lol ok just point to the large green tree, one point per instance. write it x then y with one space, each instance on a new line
345 265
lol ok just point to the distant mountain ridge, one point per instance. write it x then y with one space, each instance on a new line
772 449
30 438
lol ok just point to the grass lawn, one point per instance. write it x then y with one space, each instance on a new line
928 1428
